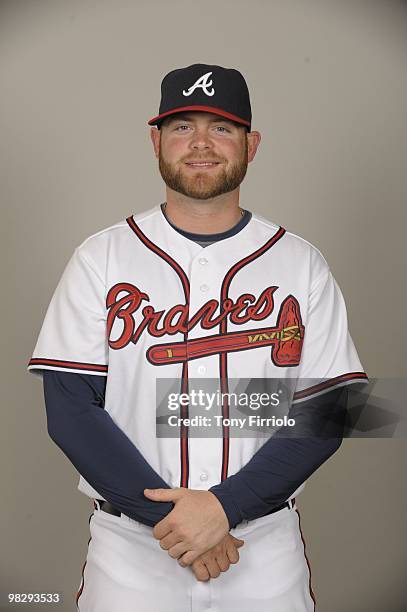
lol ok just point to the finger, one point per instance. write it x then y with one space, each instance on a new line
162 529
188 558
169 541
177 550
237 541
162 494
200 571
223 562
232 554
213 568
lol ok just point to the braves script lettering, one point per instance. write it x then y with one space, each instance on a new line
124 300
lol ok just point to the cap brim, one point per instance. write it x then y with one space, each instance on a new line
208 109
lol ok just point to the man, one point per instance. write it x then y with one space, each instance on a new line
195 289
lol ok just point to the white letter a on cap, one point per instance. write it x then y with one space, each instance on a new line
203 83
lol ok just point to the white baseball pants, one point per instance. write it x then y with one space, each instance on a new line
127 570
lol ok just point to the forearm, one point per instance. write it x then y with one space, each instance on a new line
271 476
99 449
285 461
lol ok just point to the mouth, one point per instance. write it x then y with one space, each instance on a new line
202 164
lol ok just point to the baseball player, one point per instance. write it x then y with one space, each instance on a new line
194 289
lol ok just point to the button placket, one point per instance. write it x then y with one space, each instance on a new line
200 294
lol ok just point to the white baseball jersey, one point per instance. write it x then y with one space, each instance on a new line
139 301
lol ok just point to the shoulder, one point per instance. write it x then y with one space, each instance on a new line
117 230
97 246
296 247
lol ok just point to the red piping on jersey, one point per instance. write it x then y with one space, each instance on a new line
77 365
223 329
184 377
311 592
79 593
329 383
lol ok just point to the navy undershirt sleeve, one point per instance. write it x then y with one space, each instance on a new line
97 447
286 460
113 466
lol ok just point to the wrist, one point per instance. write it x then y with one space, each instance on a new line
229 506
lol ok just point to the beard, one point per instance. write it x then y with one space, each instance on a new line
206 184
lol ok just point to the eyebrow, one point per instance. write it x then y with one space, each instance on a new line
188 117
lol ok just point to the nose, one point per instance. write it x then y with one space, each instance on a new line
201 139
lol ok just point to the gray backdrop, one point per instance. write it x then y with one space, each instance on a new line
79 80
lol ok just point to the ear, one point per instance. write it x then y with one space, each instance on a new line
253 141
155 138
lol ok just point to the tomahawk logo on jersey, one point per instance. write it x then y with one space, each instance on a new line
139 301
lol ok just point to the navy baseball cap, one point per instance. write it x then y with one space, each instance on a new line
205 87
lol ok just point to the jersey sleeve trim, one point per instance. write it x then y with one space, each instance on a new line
331 383
74 366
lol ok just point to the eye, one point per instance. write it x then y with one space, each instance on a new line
222 128
180 126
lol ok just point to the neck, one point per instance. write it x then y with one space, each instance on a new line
203 216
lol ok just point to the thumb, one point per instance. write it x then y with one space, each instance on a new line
161 494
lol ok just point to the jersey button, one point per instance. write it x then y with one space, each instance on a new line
203 261
201 369
204 476
204 287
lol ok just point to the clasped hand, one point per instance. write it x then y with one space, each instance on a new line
195 532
